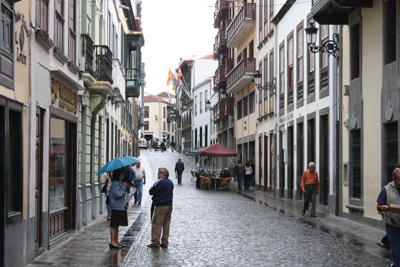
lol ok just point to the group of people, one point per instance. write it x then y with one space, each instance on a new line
244 173
163 146
118 194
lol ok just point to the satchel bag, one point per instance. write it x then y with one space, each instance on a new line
104 188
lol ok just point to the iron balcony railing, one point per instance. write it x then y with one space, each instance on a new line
220 41
220 75
103 63
245 12
87 52
221 6
246 66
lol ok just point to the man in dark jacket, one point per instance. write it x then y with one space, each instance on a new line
179 168
162 192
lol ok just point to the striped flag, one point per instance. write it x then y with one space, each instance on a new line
170 77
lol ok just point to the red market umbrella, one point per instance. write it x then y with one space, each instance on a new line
217 150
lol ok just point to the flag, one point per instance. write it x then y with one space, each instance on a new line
175 85
170 77
179 75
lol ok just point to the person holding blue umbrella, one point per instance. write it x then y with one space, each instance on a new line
119 215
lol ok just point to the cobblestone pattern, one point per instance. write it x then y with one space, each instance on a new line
213 228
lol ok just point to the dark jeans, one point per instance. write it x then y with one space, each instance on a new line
310 194
179 177
247 180
394 242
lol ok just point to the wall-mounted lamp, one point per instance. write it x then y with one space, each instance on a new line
330 46
208 104
271 86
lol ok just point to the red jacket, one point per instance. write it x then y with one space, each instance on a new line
309 178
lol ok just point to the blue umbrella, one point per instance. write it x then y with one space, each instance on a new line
117 163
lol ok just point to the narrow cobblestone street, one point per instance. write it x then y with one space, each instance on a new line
213 228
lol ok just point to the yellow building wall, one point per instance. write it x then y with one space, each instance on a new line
371 90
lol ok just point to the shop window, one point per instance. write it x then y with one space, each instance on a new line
10 156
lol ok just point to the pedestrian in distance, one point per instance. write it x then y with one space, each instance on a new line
239 171
155 144
162 146
253 180
140 180
172 146
119 216
107 180
390 195
199 167
248 172
162 192
310 187
179 168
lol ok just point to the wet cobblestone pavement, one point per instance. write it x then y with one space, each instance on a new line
214 228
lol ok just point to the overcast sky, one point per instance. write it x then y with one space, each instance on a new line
173 29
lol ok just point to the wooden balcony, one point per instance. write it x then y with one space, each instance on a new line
220 77
221 8
241 25
241 75
336 11
103 63
230 64
220 43
132 80
87 52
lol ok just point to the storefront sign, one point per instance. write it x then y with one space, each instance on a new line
68 99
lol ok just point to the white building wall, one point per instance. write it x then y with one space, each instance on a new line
203 118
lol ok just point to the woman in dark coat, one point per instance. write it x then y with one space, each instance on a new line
117 203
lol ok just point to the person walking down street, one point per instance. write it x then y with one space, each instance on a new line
179 168
172 146
310 186
239 171
199 167
162 192
162 146
107 180
119 216
155 144
140 180
389 195
248 172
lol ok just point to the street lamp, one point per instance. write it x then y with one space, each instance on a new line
271 86
208 104
330 46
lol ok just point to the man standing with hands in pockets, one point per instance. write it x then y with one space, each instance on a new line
310 186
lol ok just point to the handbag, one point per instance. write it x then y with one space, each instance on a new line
108 200
104 188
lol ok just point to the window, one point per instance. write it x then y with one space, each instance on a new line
239 109
323 38
245 106
265 18
290 74
310 72
6 47
11 167
300 63
271 79
72 31
163 112
59 24
205 98
195 105
146 125
251 102
163 126
201 103
42 15
355 47
260 24
146 112
281 77
389 31
356 163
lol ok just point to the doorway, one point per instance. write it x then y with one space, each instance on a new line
324 160
39 178
290 163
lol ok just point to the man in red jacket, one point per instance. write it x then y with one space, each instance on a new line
310 186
